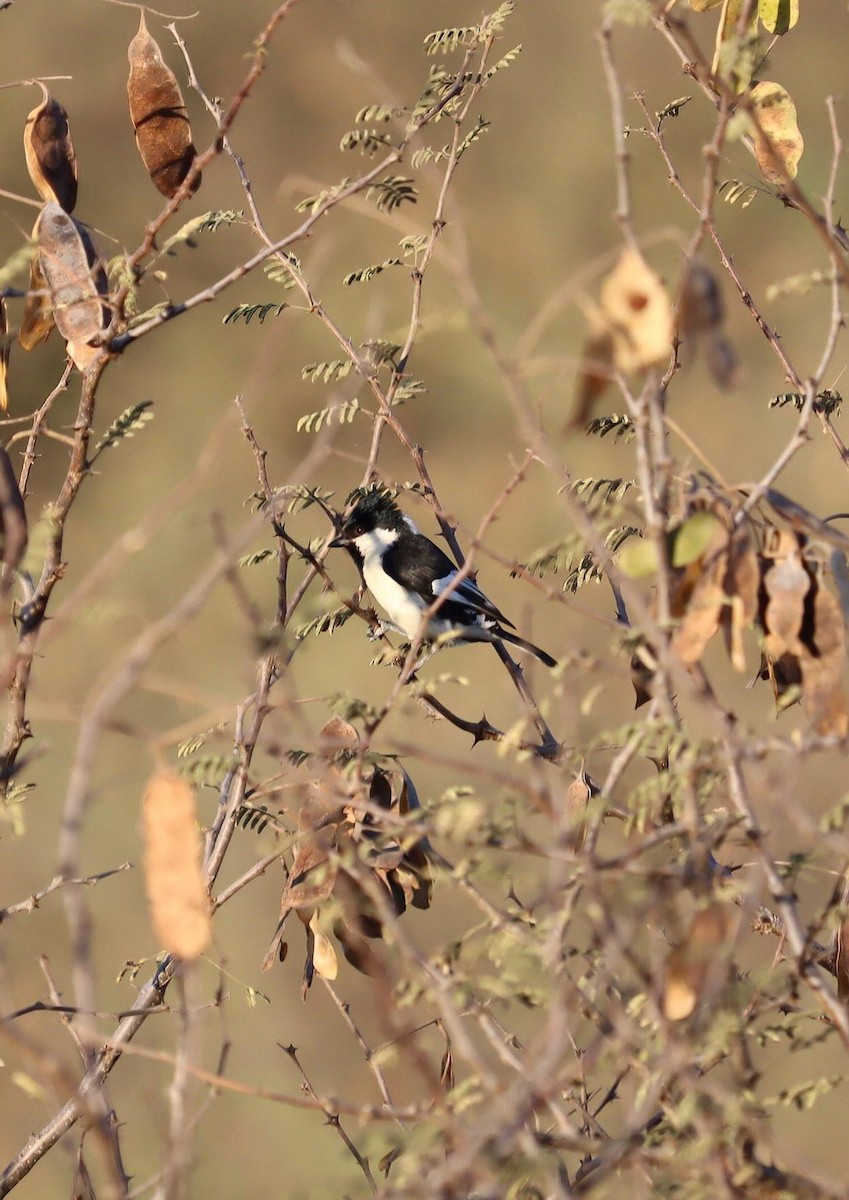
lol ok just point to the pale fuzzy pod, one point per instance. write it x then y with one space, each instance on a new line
76 281
177 896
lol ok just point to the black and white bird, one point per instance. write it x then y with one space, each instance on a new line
406 573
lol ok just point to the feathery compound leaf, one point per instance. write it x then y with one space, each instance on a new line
277 271
325 623
247 312
337 368
299 497
508 59
253 560
343 414
446 41
159 117
733 190
313 203
827 401
367 141
598 492
208 222
131 420
391 192
367 273
378 112
620 426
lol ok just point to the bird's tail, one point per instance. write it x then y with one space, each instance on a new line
507 635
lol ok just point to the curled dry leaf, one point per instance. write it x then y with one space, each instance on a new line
594 371
179 905
700 319
49 151
697 967
822 662
578 795
13 519
4 356
703 606
636 309
76 281
778 142
742 587
786 583
160 120
323 955
37 320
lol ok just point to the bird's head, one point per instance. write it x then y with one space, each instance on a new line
373 510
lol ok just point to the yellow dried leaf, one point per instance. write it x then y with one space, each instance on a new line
777 16
160 120
636 308
76 281
696 967
323 955
49 152
786 583
736 48
578 796
778 142
177 896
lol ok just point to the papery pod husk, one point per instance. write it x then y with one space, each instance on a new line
177 896
4 356
160 120
49 151
76 281
37 320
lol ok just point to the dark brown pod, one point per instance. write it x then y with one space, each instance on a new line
163 133
49 150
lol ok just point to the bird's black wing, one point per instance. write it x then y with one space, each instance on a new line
420 566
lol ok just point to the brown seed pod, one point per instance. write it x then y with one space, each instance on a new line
4 356
179 905
163 133
76 281
49 151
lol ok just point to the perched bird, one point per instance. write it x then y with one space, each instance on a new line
406 573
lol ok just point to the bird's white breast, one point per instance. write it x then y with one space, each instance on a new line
403 608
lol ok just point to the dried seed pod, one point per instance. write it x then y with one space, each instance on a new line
163 133
4 356
76 281
49 151
176 893
37 321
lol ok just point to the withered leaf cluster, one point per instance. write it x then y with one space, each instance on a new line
352 864
158 113
766 572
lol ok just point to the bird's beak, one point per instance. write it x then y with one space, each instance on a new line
341 540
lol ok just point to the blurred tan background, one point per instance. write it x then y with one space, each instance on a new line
536 197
